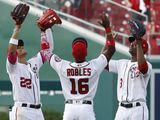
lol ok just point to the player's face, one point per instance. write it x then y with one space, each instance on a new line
21 51
133 48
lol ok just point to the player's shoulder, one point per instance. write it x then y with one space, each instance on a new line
149 64
123 60
120 61
32 60
100 57
35 57
57 59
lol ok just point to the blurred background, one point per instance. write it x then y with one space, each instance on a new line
79 19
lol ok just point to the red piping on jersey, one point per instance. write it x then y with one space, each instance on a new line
37 91
34 94
127 88
43 57
16 113
79 67
12 58
143 114
143 68
127 84
127 81
50 58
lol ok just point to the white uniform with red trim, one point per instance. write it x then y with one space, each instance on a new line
79 84
131 89
26 84
26 88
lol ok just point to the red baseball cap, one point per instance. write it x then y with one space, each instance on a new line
79 49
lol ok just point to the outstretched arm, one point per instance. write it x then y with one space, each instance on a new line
50 38
12 47
18 14
46 44
138 30
45 22
142 63
47 40
109 48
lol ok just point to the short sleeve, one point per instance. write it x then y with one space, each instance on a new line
149 69
99 63
10 67
112 66
56 63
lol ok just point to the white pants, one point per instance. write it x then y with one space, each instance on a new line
25 113
134 113
78 112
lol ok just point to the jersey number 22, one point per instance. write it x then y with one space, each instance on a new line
26 83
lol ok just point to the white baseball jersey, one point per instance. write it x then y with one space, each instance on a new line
132 83
79 81
25 80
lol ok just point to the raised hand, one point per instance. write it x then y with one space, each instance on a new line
105 22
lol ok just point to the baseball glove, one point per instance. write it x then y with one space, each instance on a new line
137 29
48 19
19 13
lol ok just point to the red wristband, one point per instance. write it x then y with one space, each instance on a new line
110 42
108 30
143 68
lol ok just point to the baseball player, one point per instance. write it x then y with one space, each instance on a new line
79 79
24 75
133 77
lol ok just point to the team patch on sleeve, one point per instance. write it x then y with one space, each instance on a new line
57 59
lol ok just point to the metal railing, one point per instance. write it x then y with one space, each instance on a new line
122 36
128 9
94 27
70 17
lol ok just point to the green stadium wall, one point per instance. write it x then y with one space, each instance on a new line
105 102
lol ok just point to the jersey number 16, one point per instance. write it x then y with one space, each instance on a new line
82 85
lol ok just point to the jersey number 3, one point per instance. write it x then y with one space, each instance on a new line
82 85
26 83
